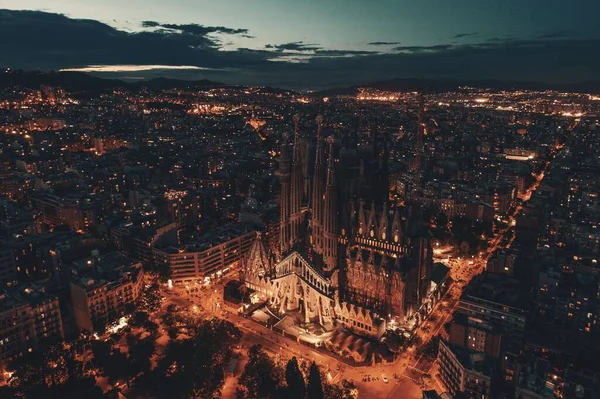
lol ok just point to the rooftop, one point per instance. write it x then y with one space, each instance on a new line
472 360
98 270
33 295
213 237
498 288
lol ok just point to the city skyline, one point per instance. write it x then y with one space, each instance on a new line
184 213
306 45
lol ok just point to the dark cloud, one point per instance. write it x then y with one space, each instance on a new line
416 49
342 53
557 34
34 39
294 46
459 35
79 42
383 43
195 29
500 39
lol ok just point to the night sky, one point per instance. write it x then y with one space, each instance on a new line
306 43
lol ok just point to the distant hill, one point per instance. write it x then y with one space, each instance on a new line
83 82
69 80
441 86
79 81
167 83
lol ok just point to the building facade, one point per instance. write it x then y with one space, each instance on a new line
469 372
208 257
104 289
28 316
344 256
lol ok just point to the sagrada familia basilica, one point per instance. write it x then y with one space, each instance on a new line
345 257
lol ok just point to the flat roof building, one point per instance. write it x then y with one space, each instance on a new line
104 288
207 256
463 370
28 316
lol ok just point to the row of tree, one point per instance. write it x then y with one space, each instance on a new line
262 378
190 367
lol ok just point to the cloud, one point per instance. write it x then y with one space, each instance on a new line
294 46
343 53
459 35
195 29
416 49
84 43
501 39
383 43
557 34
130 68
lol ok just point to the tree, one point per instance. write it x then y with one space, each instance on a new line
142 320
78 388
243 292
28 374
139 319
441 220
463 231
150 298
141 352
314 388
51 371
169 317
294 379
51 365
344 390
111 362
99 326
151 327
194 367
261 377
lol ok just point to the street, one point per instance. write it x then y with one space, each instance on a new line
411 370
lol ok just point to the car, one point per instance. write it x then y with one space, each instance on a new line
385 379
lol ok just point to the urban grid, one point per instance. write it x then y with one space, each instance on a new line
419 237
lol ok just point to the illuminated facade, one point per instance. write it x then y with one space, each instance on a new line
339 260
28 316
214 254
104 289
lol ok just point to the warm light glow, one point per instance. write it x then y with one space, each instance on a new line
122 323
128 68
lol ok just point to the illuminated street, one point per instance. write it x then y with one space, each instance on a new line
300 200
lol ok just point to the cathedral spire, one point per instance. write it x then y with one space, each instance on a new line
330 239
331 178
318 192
297 150
384 174
296 187
284 206
374 138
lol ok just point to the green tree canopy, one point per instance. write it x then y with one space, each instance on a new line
314 388
261 377
294 379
